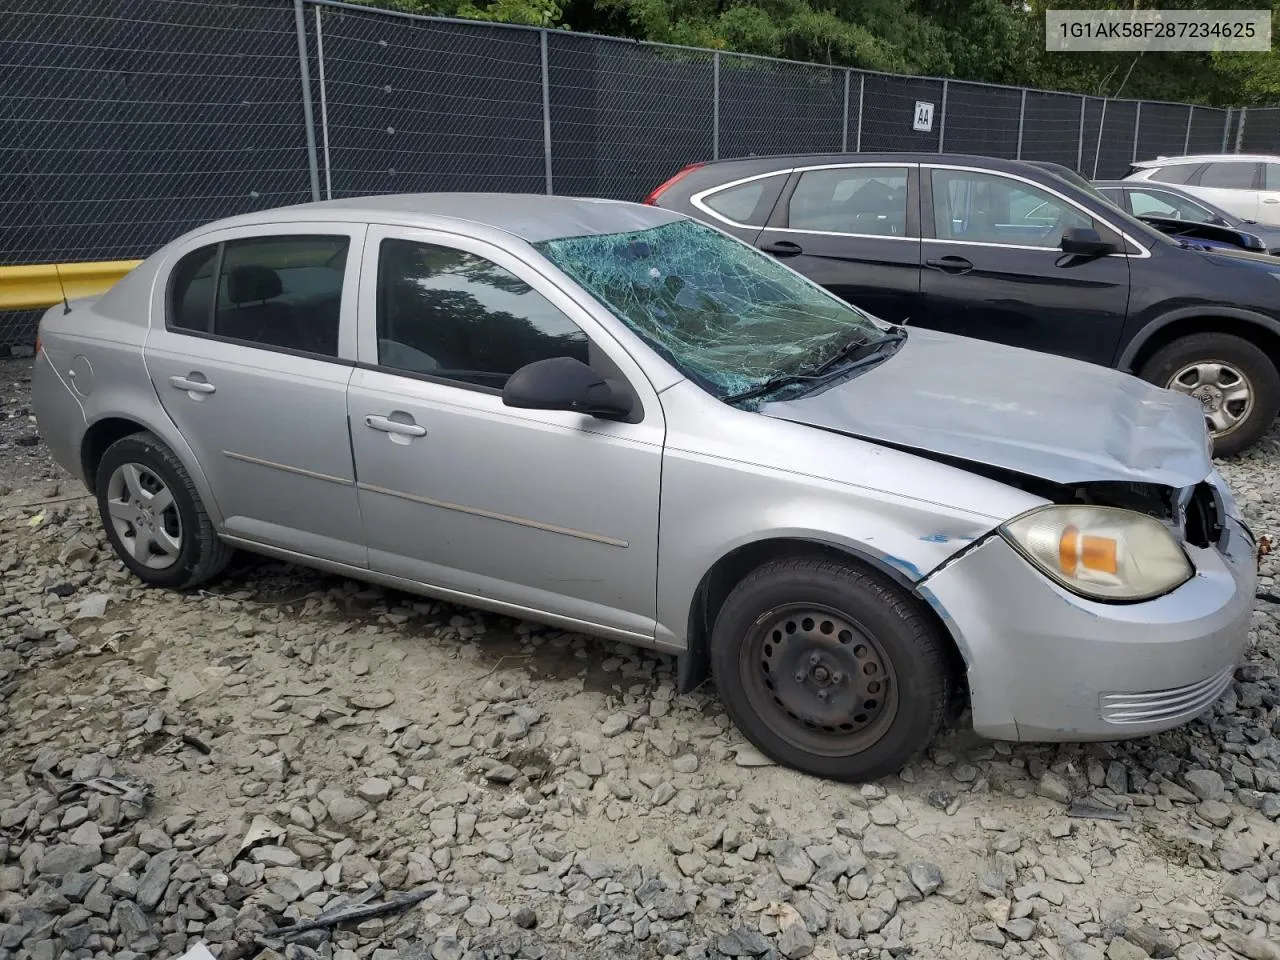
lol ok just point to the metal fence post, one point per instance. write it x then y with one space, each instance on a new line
1137 124
1022 116
308 118
715 106
862 88
1244 112
546 113
324 106
1097 152
844 123
1186 141
942 122
1080 138
1226 129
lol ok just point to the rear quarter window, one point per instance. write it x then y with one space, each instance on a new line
746 203
1176 173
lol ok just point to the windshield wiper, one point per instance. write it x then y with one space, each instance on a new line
875 350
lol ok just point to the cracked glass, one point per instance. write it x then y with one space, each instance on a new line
725 315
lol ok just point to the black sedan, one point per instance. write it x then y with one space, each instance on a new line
1144 199
1016 253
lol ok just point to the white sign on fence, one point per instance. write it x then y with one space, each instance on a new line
924 117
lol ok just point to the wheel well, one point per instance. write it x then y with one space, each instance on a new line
96 440
1262 338
728 571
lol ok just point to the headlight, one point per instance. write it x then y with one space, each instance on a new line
1101 552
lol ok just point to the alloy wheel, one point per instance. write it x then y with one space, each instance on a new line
1224 392
144 516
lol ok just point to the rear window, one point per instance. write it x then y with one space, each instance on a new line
1176 173
747 203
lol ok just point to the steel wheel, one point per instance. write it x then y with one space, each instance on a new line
1223 390
144 516
820 681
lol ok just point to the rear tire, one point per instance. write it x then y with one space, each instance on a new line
829 669
153 516
1234 380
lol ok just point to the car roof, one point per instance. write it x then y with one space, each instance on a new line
782 161
533 217
1208 158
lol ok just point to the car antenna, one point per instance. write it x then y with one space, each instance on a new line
66 304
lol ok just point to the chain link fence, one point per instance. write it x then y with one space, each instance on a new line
124 123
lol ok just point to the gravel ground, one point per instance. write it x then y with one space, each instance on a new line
210 767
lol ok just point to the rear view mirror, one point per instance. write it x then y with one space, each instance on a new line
562 383
1085 241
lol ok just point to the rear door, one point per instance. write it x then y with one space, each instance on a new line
855 229
994 269
250 349
1232 185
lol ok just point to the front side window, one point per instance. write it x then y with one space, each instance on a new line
866 200
456 316
721 312
1273 176
986 208
1229 175
281 292
1160 204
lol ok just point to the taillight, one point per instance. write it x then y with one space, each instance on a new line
652 198
37 345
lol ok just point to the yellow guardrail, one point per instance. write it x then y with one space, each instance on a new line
39 285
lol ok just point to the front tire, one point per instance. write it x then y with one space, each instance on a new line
1234 380
153 516
829 669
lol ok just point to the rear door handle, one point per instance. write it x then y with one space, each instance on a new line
395 426
191 386
783 248
1270 200
951 264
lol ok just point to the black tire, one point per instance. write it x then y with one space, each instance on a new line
201 554
1246 358
751 648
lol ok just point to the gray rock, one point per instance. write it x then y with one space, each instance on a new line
793 864
795 942
1117 778
1205 784
1251 947
1154 941
685 763
133 926
68 858
375 789
1023 928
1246 889
927 877
987 933
526 918
742 942
155 879
503 773
1124 950
1054 787
1079 950
447 948
594 869
615 724
344 809
477 916
1214 812
873 919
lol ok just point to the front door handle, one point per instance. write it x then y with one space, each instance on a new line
955 265
783 248
395 426
192 386
1270 200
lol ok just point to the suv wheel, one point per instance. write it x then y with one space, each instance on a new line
829 669
1235 382
153 515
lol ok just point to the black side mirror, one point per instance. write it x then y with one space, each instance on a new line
1085 241
562 383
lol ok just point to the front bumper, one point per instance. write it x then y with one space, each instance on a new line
1045 664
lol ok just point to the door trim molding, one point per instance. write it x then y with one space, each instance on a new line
491 515
245 458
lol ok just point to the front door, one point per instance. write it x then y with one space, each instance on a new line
854 229
250 352
994 270
547 511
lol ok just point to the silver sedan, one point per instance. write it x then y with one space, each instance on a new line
612 419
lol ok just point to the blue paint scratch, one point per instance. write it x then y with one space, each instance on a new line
905 566
935 538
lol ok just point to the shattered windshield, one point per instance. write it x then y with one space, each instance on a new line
727 316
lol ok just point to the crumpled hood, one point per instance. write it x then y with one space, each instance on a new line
1037 414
